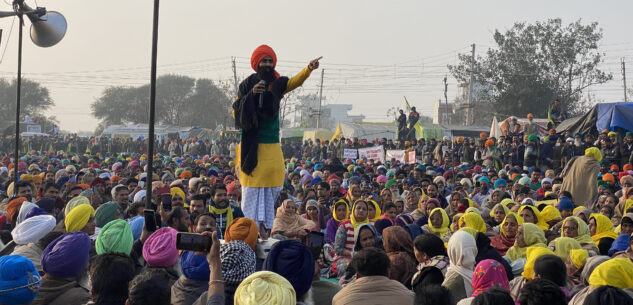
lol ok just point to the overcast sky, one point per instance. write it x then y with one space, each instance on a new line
375 52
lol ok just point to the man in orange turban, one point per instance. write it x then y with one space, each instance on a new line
259 158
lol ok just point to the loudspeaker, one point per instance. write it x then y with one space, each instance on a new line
49 29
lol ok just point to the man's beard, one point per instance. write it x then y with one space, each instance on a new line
578 143
266 73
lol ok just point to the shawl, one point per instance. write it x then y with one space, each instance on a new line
502 242
377 209
550 213
583 231
532 254
617 272
338 203
533 237
540 221
218 211
580 178
462 250
564 245
604 228
445 222
290 223
473 220
399 247
489 274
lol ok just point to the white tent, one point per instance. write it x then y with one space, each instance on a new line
367 131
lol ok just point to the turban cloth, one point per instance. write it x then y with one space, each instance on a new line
194 267
139 195
115 236
238 261
578 257
19 280
33 229
136 224
565 204
106 213
259 54
48 204
97 181
78 217
292 260
243 229
265 288
159 249
13 207
500 182
533 138
594 153
24 210
35 212
67 256
616 272
177 191
75 202
193 182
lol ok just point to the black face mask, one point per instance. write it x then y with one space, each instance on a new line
266 73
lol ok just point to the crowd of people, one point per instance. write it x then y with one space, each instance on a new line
431 232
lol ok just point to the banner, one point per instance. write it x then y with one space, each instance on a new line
396 154
350 154
411 157
373 153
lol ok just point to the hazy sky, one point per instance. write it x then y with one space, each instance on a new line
374 51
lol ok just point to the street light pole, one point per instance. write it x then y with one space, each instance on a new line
152 103
17 101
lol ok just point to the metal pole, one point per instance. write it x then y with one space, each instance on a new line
320 97
17 101
152 103
624 79
470 88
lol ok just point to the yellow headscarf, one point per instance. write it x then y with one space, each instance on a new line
378 211
604 228
564 245
75 202
617 272
473 220
458 215
515 216
578 257
505 209
533 237
583 231
473 210
532 254
355 222
78 217
627 204
540 222
550 213
470 231
577 209
265 288
346 211
445 222
507 201
594 152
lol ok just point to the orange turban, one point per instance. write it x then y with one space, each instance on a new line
529 116
243 229
483 135
186 175
259 54
13 207
627 167
490 142
608 177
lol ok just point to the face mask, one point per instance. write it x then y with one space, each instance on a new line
557 144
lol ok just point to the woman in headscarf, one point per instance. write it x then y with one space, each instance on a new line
288 224
344 241
373 210
353 193
494 199
528 235
601 230
615 272
531 214
577 229
399 247
473 220
583 213
587 269
462 251
551 215
563 245
312 214
341 213
438 224
497 215
451 210
509 228
532 254
488 274
575 263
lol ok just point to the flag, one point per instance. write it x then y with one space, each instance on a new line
417 127
549 115
337 132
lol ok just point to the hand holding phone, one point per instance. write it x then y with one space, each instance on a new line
150 220
193 242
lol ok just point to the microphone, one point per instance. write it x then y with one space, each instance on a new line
261 95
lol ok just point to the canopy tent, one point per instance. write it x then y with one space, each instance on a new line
367 131
602 116
292 132
321 134
430 131
504 125
464 131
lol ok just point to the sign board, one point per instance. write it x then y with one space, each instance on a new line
350 154
34 128
372 153
396 154
411 157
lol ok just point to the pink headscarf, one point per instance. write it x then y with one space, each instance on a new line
160 248
489 274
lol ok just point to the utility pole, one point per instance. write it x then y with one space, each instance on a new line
320 97
235 76
624 78
470 87
445 90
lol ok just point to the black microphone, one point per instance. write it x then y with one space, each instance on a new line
261 95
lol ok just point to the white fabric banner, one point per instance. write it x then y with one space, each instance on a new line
396 154
350 154
373 153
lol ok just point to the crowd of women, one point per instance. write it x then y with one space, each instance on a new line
74 232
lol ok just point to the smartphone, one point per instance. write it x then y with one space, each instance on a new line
150 220
193 242
166 201
477 184
315 242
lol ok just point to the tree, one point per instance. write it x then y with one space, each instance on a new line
180 100
535 64
35 99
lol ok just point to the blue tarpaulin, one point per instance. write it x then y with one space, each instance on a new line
611 115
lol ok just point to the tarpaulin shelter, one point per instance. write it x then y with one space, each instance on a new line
366 131
321 134
602 116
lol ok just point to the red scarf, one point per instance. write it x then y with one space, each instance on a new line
501 243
